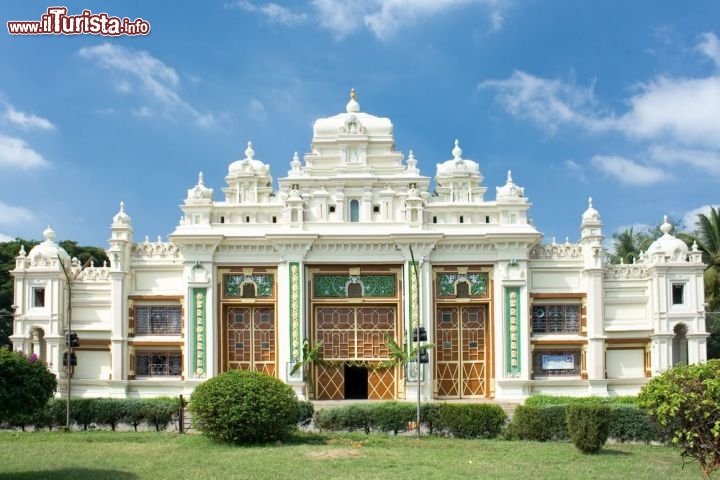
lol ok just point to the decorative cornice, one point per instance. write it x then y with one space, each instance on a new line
623 271
556 250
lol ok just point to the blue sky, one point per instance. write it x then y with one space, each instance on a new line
616 100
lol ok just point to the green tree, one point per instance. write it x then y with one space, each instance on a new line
685 401
628 244
26 384
707 237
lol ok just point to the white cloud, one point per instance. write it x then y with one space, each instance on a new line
549 103
684 110
575 169
14 152
155 80
11 215
143 111
710 46
273 12
6 238
257 111
385 17
707 160
27 121
690 218
676 118
627 171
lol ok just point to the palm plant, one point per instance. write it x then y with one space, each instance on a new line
310 354
707 237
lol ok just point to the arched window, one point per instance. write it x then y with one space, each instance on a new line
462 289
355 290
679 344
248 290
354 211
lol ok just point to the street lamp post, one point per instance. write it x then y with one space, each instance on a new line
419 335
71 338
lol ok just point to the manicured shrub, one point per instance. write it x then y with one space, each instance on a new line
306 411
109 411
540 424
357 417
82 411
685 401
472 420
160 412
588 426
629 423
52 415
393 416
244 407
541 399
430 416
330 419
26 385
134 412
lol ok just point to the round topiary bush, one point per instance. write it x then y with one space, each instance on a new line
588 426
240 406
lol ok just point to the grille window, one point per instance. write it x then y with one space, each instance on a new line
556 318
158 320
158 363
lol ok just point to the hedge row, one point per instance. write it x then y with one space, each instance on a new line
540 400
110 412
626 423
459 420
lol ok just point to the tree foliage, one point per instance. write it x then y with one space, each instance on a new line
628 243
685 401
707 237
26 384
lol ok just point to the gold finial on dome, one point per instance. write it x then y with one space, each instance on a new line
353 106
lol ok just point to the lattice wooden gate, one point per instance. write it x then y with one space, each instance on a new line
355 335
461 335
249 340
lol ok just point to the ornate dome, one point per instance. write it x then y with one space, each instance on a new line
590 215
458 165
669 245
249 165
352 122
509 191
48 250
122 219
199 193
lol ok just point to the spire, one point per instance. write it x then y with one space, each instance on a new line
666 227
457 151
352 106
201 178
295 164
249 152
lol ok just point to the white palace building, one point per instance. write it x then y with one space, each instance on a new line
252 273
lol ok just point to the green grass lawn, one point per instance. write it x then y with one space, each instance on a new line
128 455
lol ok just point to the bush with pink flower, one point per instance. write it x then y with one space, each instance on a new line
26 384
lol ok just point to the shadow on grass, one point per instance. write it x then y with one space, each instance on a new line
307 438
69 473
608 452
